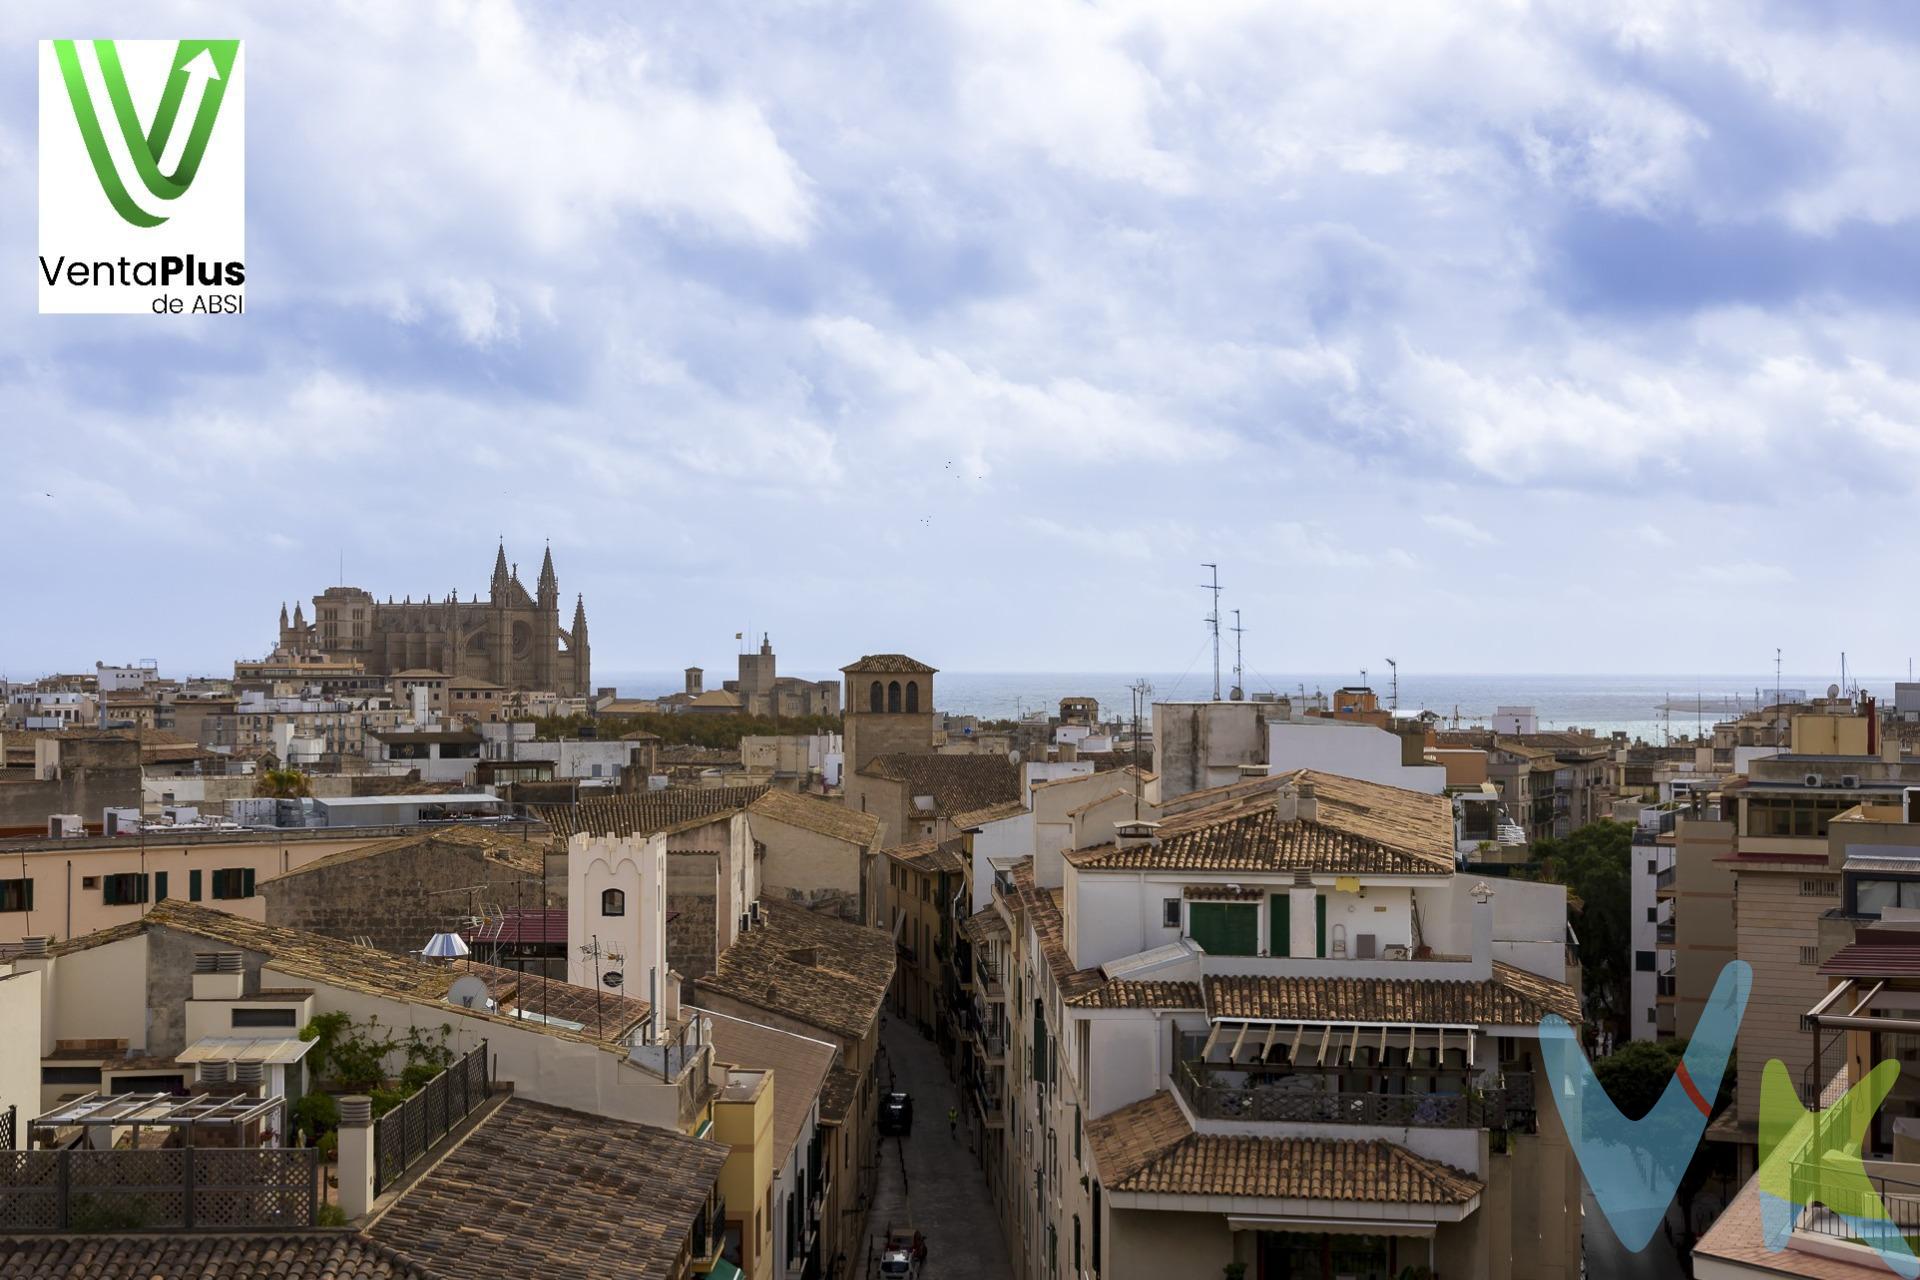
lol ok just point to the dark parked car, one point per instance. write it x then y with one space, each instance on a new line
896 1114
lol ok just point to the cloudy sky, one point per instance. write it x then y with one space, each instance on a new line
1507 337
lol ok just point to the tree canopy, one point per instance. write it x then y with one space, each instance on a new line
1595 864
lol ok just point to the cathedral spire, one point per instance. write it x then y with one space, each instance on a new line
579 617
283 615
500 578
549 590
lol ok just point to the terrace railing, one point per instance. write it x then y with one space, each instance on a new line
1214 1096
164 1189
407 1132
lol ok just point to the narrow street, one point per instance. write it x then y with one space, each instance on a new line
929 1181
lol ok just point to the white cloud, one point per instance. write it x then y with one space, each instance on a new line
1459 527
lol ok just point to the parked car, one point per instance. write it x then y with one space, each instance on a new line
905 1251
896 1115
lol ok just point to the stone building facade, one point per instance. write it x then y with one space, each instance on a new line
513 638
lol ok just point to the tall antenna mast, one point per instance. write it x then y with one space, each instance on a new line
1239 691
1393 699
1213 621
1141 691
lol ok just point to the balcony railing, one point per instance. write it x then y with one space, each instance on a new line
1664 879
1663 933
1900 1198
1213 1095
988 974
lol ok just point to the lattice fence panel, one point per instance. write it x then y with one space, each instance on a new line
29 1191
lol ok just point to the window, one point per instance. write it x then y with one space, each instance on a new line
193 886
1653 915
1650 1015
893 695
613 903
913 695
123 890
159 885
1650 870
1170 912
1810 955
876 701
245 1017
1225 928
233 882
16 895
1643 961
1819 887
70 1075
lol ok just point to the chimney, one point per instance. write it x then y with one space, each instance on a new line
211 1071
1067 752
33 947
219 975
1482 930
355 1156
1286 802
1890 749
1135 832
1307 806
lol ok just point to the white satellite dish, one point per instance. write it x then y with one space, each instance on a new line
470 992
1833 691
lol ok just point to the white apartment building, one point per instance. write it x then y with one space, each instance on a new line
1650 970
1277 1030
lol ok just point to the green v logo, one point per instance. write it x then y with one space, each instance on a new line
198 76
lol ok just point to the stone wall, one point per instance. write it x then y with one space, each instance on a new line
693 883
402 897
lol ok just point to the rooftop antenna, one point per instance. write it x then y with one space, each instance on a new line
1213 622
1141 689
1238 630
1393 700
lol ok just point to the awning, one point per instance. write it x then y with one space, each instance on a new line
1331 1226
723 1270
278 1049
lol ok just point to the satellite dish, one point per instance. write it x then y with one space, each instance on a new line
1833 691
612 978
445 946
470 992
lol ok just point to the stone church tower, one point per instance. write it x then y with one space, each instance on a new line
512 638
889 708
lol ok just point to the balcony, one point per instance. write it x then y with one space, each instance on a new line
993 1047
1216 1092
709 1232
1663 933
987 974
1663 881
986 1094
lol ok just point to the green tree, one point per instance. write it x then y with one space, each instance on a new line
1636 1075
1595 864
285 784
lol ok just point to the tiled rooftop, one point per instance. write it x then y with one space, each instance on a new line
958 784
824 817
605 1018
799 1065
1148 1147
837 1094
932 855
1512 997
1139 993
894 662
989 813
538 1192
1358 828
645 813
824 971
313 1255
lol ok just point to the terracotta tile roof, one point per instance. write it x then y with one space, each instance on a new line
497 844
989 813
932 855
1148 1147
1736 1237
898 662
983 924
824 817
647 812
1118 794
311 1255
800 1066
1359 828
958 784
1041 909
824 971
606 1018
1511 998
1140 993
537 1192
836 1096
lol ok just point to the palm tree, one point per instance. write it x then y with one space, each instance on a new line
284 784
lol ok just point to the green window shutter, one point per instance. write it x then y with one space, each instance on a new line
1280 925
1039 1042
159 885
1226 928
193 886
246 883
1320 925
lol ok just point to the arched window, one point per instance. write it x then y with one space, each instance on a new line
913 695
613 903
875 700
893 695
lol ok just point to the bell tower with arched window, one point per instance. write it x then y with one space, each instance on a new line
889 703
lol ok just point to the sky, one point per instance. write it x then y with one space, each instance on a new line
1502 337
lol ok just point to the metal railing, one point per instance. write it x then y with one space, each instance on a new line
1664 879
1900 1198
988 974
167 1189
709 1229
404 1134
1481 1109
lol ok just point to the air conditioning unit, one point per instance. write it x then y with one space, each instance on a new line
753 911
1814 780
1850 781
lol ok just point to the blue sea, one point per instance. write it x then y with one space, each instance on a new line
1604 703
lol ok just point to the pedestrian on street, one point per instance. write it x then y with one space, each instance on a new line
953 1123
